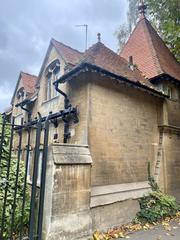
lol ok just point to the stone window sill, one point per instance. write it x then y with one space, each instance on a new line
50 100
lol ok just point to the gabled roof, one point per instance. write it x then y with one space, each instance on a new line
149 52
103 57
98 54
69 54
28 82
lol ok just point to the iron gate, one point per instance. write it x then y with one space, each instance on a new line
25 202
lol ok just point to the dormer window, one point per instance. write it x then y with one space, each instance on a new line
52 74
165 88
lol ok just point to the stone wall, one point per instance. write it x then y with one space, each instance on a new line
115 214
78 90
173 110
113 205
170 166
172 161
123 132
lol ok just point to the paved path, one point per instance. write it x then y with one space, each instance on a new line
157 233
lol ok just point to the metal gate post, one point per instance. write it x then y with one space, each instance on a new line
25 181
16 181
34 181
43 180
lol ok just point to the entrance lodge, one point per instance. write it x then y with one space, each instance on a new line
119 112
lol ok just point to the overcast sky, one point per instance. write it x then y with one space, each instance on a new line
28 26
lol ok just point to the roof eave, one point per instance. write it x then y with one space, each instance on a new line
163 75
26 101
84 67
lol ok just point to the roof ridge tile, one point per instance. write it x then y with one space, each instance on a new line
65 45
29 74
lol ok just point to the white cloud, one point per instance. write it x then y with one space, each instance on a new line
27 27
5 96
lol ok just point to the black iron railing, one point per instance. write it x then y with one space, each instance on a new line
32 228
30 195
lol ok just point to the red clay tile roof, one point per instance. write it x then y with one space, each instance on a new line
69 54
105 58
149 52
28 82
101 56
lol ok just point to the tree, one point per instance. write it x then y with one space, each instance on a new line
122 34
165 17
132 14
124 30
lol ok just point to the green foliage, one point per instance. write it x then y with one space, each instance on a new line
132 14
122 34
156 205
165 15
11 188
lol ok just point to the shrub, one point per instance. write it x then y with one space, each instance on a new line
11 188
156 205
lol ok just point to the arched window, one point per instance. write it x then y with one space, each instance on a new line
52 74
21 94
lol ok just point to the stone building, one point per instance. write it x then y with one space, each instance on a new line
129 111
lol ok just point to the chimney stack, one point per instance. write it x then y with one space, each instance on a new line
131 65
99 37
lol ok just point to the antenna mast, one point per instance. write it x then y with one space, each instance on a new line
86 28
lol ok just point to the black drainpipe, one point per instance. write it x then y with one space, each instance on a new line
66 106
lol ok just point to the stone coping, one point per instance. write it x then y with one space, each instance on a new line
102 195
71 154
70 145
